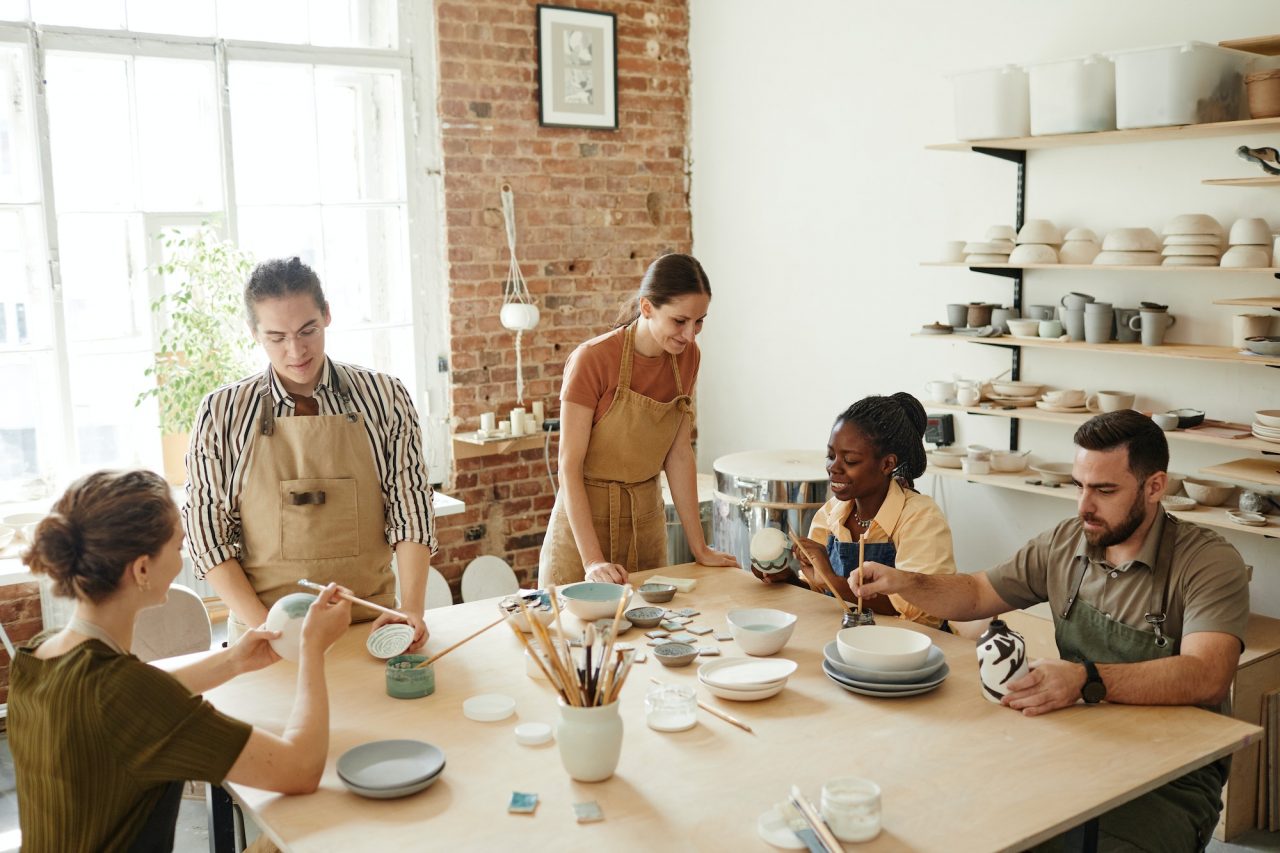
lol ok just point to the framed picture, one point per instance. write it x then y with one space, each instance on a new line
577 68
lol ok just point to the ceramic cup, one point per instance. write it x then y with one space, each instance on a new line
1001 316
1152 325
951 252
1249 326
1110 401
957 314
968 396
851 808
979 314
1069 398
1166 421
1040 312
1050 329
1099 322
1124 334
1075 300
940 391
1073 322
406 680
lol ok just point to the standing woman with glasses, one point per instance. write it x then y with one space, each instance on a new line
626 417
310 469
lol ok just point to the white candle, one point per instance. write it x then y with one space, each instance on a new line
517 421
531 425
504 427
488 421
539 412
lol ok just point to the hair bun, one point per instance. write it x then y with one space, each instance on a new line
913 409
57 546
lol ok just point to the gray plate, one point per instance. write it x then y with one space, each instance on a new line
882 694
390 764
932 681
932 663
391 793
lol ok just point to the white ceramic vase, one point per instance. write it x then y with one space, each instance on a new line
590 741
1002 659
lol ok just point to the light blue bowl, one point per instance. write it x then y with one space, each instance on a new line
591 600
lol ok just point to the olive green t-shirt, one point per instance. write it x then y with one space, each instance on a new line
96 736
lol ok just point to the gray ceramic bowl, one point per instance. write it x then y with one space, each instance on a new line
644 617
1188 418
675 654
1263 346
657 593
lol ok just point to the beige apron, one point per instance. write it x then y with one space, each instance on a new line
312 507
624 457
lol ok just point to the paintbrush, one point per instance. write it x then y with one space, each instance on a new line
862 556
817 569
439 655
353 599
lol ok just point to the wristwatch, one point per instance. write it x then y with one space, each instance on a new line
1094 691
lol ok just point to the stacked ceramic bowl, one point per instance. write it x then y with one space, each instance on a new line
884 661
1080 247
1250 241
1129 247
1037 243
1192 240
1008 392
745 679
1266 425
386 769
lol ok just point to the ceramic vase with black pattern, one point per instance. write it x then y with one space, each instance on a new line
1002 659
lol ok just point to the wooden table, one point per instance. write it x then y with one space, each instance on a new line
957 772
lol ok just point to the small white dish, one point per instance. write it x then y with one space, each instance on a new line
932 663
488 707
1248 519
389 640
1177 503
1268 418
884 648
745 695
773 830
746 673
384 764
533 734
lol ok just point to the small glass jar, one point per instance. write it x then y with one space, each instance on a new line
852 618
851 807
671 708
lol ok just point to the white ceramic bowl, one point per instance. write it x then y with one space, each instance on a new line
25 523
1250 232
1191 251
1002 233
1189 261
1078 252
1207 492
1039 231
987 248
947 457
1268 418
986 258
883 648
745 695
1009 461
1107 258
1193 223
1131 240
1177 503
1081 235
1016 388
1023 328
1195 240
761 631
1246 256
1054 472
591 600
1165 420
1033 253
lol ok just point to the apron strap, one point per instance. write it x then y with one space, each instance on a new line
628 348
1075 585
1160 580
675 371
266 406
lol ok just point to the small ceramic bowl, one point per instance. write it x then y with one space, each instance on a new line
1127 259
1081 235
1188 418
25 523
1262 346
389 640
883 648
1024 328
1004 233
591 600
1009 461
644 617
1033 253
1131 240
657 593
947 457
1009 388
1250 232
1054 472
1193 223
1208 492
1248 519
761 631
675 654
1246 257
1177 503
1268 418
1165 420
1039 231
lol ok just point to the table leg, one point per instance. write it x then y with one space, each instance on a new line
218 805
1083 838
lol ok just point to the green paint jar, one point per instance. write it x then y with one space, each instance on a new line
406 680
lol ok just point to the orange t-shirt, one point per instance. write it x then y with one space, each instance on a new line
591 373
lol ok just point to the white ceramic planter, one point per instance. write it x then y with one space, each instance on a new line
519 316
590 741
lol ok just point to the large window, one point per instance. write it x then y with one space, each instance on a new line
283 124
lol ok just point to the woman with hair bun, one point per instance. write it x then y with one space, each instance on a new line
103 742
626 417
874 454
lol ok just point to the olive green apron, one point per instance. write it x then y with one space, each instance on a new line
1182 814
624 457
312 507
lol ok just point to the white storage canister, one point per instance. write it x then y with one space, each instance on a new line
1073 96
1190 83
992 103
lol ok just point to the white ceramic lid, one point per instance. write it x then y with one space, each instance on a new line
785 465
488 707
533 734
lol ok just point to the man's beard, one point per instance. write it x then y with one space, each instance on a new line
1109 536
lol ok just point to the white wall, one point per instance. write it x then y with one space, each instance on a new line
814 200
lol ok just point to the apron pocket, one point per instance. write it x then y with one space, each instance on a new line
319 519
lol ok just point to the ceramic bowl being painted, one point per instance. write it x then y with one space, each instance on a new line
675 654
883 648
644 617
591 600
761 631
657 593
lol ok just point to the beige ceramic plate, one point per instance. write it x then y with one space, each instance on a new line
1049 407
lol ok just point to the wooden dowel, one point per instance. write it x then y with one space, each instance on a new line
467 638
844 605
715 711
862 556
353 599
815 821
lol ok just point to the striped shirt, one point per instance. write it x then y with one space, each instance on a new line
221 453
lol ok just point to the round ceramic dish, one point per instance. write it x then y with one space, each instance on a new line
745 695
1054 472
946 457
1130 240
657 593
932 663
883 647
745 673
644 617
1208 492
881 694
761 631
1188 418
488 707
1127 259
389 640
1193 223
391 793
533 734
935 678
591 600
1248 519
675 654
1263 345
25 523
385 764
1177 503
1268 418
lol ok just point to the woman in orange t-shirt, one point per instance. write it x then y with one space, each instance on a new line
625 417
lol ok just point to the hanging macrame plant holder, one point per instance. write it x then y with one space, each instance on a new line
518 314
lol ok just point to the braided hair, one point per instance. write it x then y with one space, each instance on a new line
893 424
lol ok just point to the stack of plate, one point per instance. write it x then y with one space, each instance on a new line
746 679
1192 240
886 684
386 769
1266 425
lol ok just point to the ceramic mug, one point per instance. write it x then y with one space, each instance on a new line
1099 322
1050 329
957 314
1249 326
1073 322
1166 421
1075 300
1110 401
968 396
1124 334
1001 316
1040 312
940 391
1152 325
1071 398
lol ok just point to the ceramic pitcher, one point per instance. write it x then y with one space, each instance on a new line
1002 659
1152 325
590 741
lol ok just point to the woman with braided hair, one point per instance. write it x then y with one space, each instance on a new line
874 454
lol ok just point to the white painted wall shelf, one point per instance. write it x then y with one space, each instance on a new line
1117 137
1200 352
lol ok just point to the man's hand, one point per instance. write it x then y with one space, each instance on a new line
1051 684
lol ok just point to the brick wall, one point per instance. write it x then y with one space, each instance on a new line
20 615
593 208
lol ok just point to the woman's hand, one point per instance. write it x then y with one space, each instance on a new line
253 650
711 557
605 572
782 577
327 619
414 621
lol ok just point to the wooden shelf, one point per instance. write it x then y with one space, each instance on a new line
1199 352
1265 472
1265 45
1252 301
1102 267
466 446
1209 516
1260 181
1118 137
1254 445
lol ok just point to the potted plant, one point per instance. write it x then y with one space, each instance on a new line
203 341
